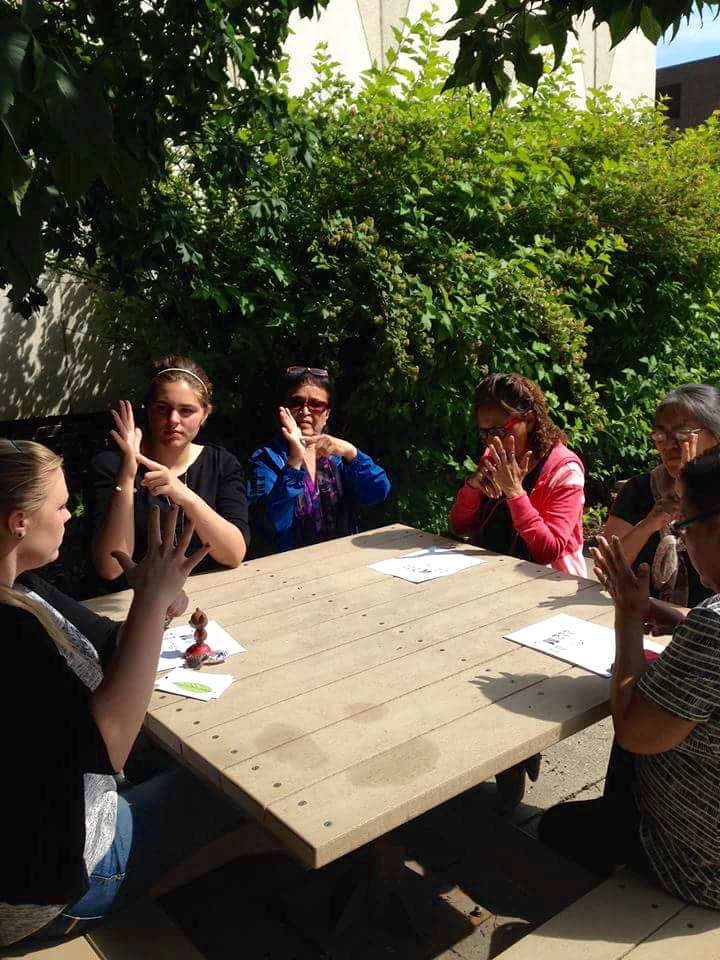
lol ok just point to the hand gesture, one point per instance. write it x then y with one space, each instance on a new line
160 482
327 446
162 573
293 435
127 436
506 472
629 591
483 478
176 608
660 516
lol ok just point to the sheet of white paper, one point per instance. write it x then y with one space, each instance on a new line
577 641
176 640
194 683
427 564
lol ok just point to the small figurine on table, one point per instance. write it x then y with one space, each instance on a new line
199 652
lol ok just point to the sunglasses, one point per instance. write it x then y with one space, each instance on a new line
679 525
313 371
490 433
296 404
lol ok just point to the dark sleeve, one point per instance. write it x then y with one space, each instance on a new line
103 470
231 501
46 705
634 501
102 632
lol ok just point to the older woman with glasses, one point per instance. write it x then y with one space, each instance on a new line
306 487
526 496
686 423
660 813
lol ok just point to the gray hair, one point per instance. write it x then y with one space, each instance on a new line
700 400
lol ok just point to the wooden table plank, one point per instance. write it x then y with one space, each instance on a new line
306 760
291 663
606 924
334 816
411 668
693 932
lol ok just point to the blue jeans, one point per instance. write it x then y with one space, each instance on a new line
159 824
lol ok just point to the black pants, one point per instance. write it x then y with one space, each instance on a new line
600 834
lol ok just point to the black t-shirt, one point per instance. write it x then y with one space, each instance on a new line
496 529
216 476
51 740
633 504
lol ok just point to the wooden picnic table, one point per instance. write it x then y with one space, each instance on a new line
364 700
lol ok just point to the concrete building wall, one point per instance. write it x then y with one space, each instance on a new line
693 90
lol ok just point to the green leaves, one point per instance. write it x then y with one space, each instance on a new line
15 172
504 33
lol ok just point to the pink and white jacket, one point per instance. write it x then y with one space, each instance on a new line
549 519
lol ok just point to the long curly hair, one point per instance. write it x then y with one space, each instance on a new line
517 395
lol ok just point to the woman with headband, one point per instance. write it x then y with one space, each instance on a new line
166 468
306 486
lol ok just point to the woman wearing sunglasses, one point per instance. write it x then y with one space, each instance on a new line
526 496
660 813
306 486
686 423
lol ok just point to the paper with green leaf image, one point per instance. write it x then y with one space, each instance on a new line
194 687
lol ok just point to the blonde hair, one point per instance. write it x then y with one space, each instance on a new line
26 470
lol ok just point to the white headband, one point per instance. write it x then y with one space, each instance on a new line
182 370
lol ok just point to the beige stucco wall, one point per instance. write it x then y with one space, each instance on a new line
359 32
56 362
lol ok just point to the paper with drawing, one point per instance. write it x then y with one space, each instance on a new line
577 641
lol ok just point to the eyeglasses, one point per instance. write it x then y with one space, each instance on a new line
679 525
313 371
296 404
488 433
661 437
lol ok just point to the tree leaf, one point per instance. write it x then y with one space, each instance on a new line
15 172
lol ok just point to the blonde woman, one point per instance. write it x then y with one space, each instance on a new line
75 695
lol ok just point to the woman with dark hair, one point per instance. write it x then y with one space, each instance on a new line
660 812
167 468
686 423
306 486
526 496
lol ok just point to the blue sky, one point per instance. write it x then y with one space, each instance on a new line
695 40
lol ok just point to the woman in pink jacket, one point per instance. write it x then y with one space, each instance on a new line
526 496
525 499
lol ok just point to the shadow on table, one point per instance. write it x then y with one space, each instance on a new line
555 698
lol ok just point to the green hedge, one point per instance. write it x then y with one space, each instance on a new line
427 241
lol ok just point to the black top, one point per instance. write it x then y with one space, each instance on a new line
633 504
216 476
50 741
496 530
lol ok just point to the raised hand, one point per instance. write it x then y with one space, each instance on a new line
327 446
629 591
176 608
293 435
483 478
505 470
127 436
160 482
162 573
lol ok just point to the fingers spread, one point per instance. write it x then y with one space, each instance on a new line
154 530
123 559
194 559
169 525
184 541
